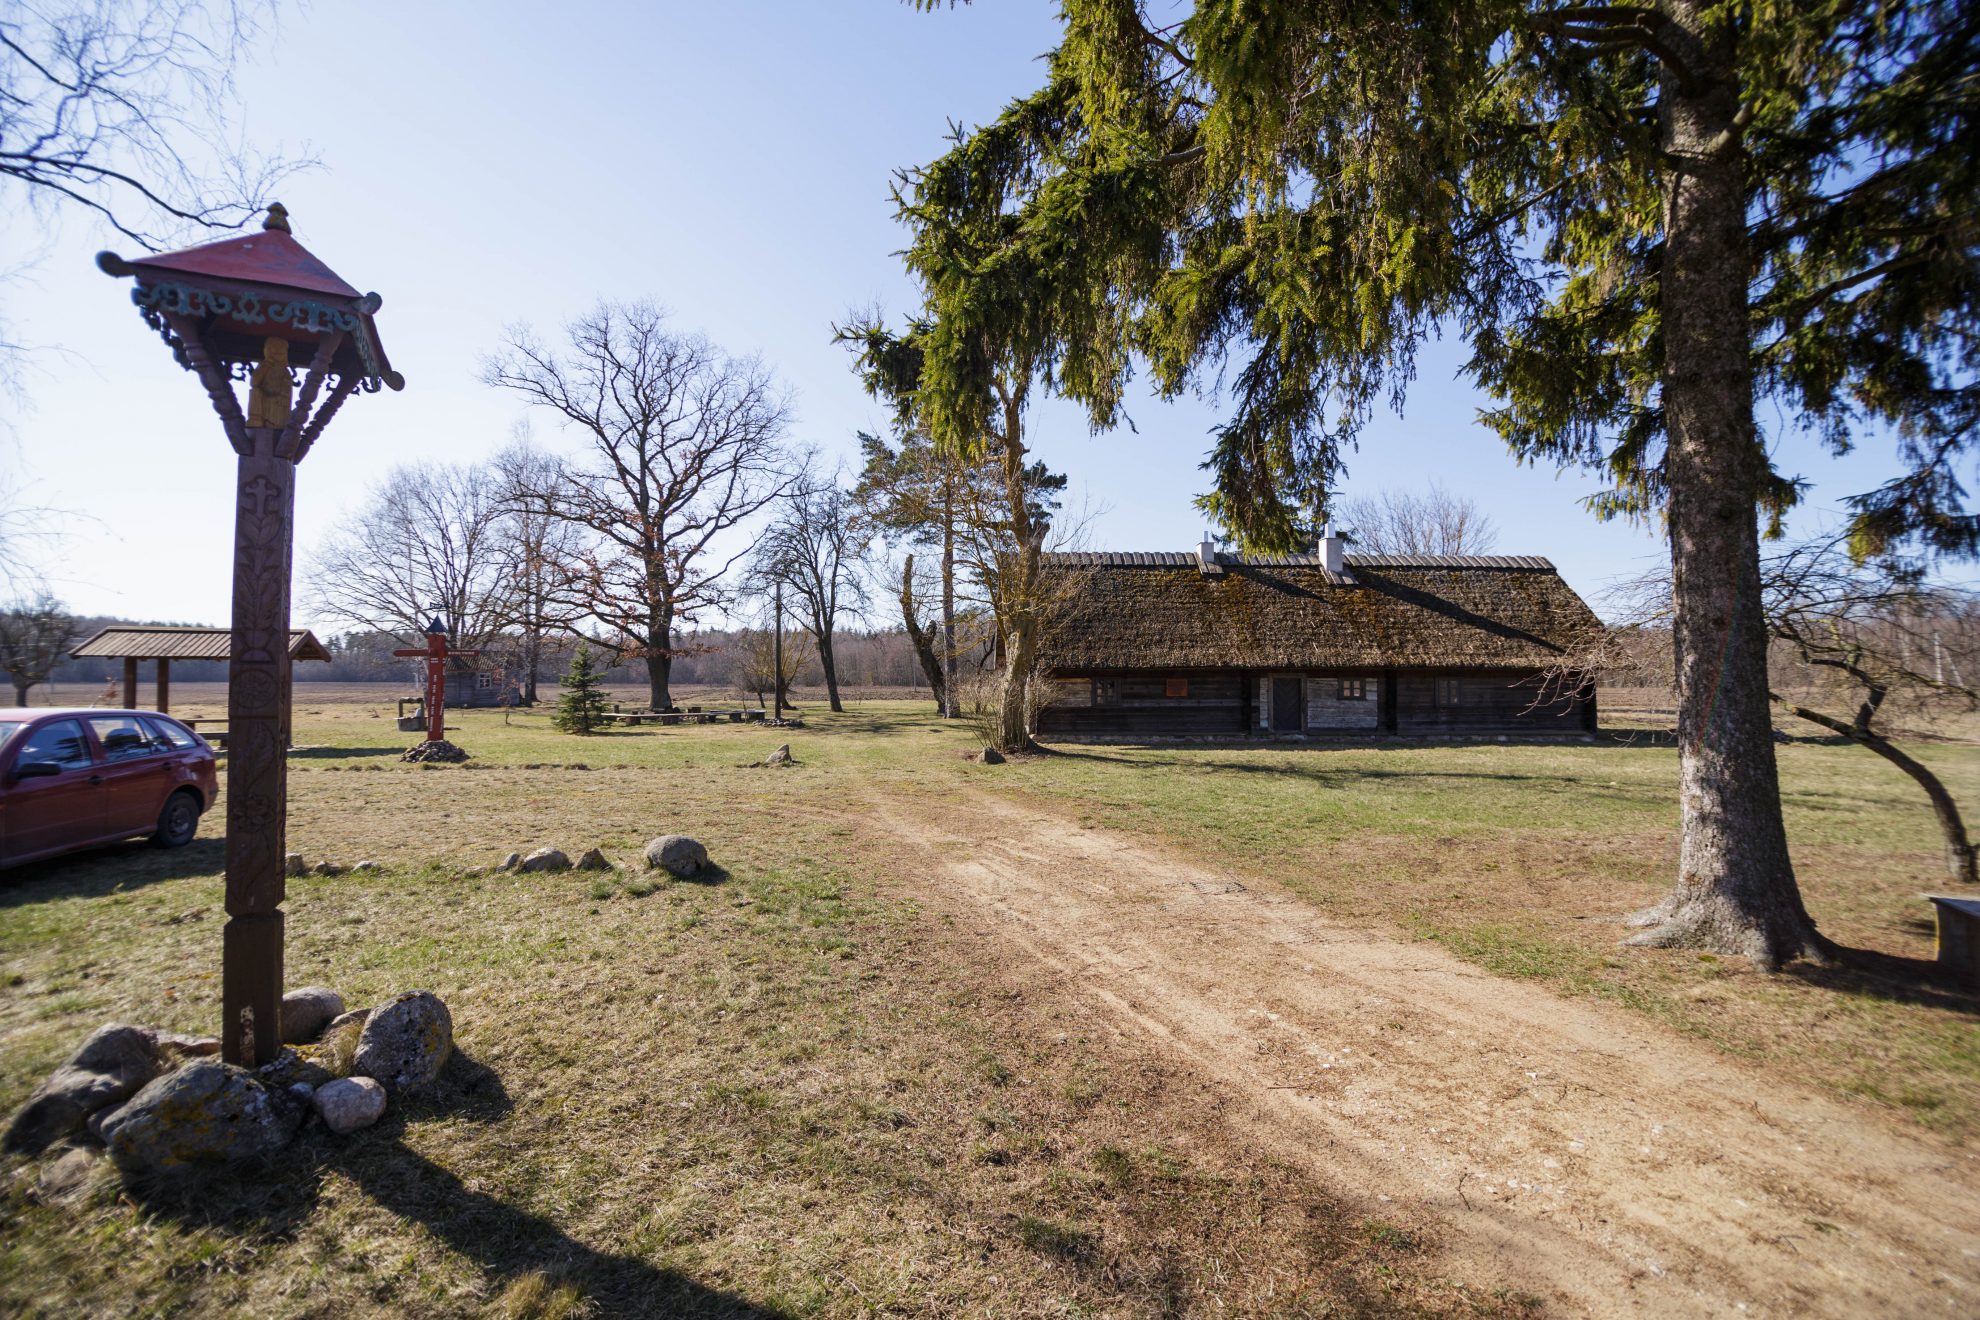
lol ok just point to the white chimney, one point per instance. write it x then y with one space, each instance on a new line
1206 557
1333 550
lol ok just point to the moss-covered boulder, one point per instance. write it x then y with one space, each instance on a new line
206 1113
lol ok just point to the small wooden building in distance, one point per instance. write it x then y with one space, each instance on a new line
1213 644
134 642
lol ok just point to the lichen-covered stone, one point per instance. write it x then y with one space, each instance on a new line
295 864
307 1010
545 859
207 1112
593 860
511 862
108 1068
678 855
405 1041
349 1103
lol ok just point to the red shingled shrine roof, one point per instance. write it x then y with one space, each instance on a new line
268 256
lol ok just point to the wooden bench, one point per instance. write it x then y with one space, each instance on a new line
1959 935
215 735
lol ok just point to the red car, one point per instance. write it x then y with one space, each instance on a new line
74 779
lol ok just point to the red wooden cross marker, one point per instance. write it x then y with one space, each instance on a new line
436 654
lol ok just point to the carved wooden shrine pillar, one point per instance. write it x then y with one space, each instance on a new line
261 308
257 750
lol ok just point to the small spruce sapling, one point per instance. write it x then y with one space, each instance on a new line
582 707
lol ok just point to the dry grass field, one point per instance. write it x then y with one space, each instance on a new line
852 1076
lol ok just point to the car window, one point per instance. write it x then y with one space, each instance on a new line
61 742
8 728
169 734
123 737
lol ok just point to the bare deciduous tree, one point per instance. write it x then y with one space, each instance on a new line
1869 633
538 548
816 546
35 634
121 107
430 540
1435 522
682 443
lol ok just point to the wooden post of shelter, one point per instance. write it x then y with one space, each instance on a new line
130 682
264 307
164 685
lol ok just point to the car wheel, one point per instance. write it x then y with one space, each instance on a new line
178 822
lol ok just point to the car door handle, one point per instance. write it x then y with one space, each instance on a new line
96 779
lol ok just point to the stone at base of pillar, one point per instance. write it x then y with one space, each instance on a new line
251 990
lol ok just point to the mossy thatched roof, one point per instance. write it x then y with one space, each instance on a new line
1168 611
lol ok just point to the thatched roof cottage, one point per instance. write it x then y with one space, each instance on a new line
1327 643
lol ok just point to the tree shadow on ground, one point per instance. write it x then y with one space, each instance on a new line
272 1199
1872 974
103 871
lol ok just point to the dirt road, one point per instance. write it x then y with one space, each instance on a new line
1565 1147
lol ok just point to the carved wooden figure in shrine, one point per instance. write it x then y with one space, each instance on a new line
260 308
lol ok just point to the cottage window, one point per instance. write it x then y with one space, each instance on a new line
484 680
1354 689
1176 687
1447 692
1106 691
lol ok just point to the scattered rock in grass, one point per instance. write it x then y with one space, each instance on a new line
295 865
405 1041
438 750
367 868
306 1011
474 873
545 859
207 1112
990 756
112 1065
349 1103
326 868
511 862
678 855
593 860
68 1177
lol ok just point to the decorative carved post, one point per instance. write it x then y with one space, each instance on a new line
261 306
257 751
435 653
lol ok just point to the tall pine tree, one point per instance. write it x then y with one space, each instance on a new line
1642 218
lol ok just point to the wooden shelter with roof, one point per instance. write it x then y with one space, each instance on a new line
1213 644
134 642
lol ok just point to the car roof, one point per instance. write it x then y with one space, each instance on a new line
49 712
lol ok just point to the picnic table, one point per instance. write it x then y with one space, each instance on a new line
1959 935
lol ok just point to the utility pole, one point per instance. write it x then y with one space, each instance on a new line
777 655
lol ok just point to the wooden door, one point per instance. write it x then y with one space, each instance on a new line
1288 702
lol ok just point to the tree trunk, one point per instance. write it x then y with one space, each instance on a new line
21 694
1962 866
1019 627
924 646
946 691
831 668
532 657
1735 891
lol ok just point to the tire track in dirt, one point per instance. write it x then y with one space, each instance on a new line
1568 1147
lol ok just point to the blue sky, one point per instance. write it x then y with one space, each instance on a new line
493 163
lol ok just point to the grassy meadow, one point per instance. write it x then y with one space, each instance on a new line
802 1089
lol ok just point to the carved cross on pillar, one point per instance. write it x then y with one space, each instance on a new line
261 306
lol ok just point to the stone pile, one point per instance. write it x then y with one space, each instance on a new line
161 1104
436 750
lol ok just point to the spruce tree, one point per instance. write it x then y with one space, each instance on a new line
1648 222
582 707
